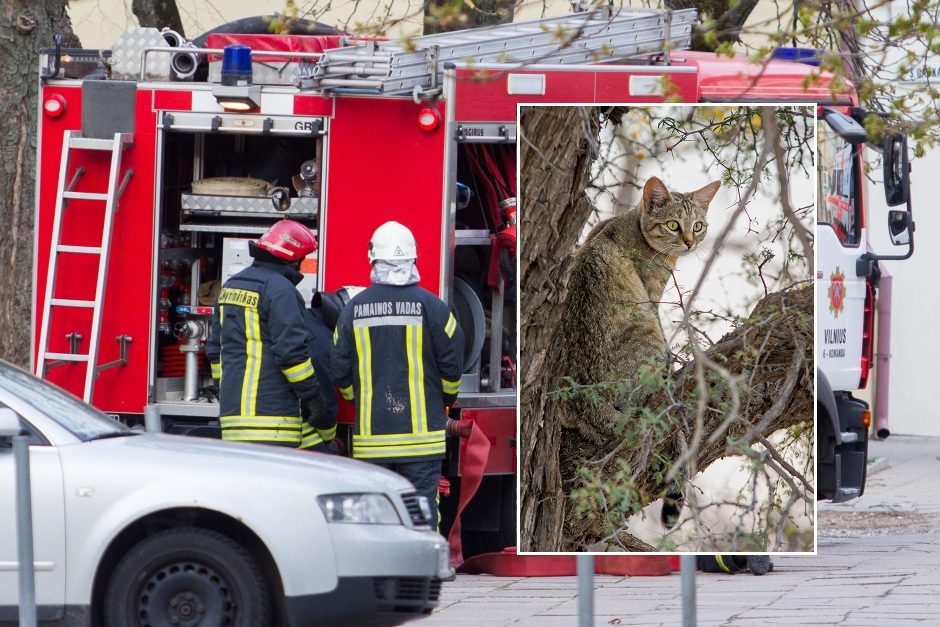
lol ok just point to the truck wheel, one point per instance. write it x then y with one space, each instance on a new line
186 576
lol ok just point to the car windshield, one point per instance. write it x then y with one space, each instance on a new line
84 421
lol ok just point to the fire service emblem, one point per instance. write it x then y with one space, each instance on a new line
836 292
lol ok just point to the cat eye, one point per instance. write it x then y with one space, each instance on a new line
697 227
672 225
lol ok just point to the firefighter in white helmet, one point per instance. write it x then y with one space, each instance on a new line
398 352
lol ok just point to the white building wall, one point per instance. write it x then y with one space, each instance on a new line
914 396
99 23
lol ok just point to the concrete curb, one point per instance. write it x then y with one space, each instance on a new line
877 464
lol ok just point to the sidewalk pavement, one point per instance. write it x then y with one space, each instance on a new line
878 562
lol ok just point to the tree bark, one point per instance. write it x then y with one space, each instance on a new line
158 14
25 27
557 147
729 18
443 16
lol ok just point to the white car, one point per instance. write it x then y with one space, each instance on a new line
152 529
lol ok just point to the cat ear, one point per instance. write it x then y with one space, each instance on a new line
654 193
705 195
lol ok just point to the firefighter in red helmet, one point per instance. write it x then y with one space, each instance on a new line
398 352
257 347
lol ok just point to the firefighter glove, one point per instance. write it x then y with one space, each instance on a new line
336 447
313 408
459 428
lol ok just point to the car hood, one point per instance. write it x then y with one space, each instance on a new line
163 452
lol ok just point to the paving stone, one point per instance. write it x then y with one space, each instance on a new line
891 579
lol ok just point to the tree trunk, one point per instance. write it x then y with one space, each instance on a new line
729 17
158 14
555 210
443 16
25 27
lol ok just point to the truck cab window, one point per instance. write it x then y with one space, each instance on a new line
838 186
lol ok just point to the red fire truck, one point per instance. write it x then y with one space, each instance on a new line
849 287
159 160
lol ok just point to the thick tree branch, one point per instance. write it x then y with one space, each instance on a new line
773 348
158 14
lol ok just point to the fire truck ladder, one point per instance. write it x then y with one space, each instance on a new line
413 66
116 185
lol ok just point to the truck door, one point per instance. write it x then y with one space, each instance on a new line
840 294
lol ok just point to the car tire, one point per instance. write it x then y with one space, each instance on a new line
196 576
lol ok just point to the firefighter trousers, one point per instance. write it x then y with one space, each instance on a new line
425 476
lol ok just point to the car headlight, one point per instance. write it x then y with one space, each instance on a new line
373 509
425 506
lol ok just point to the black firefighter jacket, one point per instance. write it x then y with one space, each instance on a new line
319 348
257 348
398 351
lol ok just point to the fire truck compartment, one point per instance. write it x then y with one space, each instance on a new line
203 236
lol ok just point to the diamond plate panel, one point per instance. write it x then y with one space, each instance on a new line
125 55
246 206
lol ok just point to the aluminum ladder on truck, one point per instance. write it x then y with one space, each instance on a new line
65 192
413 66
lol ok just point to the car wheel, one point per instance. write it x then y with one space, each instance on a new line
186 577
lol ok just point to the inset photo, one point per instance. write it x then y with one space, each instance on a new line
666 301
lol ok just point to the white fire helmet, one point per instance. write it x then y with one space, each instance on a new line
392 242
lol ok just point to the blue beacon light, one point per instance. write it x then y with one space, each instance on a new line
236 65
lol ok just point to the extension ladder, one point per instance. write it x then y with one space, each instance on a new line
413 66
116 185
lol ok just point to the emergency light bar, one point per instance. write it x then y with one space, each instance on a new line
236 93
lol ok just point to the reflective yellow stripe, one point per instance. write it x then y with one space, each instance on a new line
272 422
336 335
284 429
419 377
311 436
243 298
387 439
364 351
347 392
250 435
451 325
721 564
219 375
252 362
299 372
399 450
450 387
413 347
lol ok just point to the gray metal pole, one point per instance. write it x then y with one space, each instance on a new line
687 563
585 591
152 421
24 532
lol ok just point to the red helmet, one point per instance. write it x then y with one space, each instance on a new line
288 240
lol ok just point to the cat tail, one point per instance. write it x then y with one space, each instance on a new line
672 506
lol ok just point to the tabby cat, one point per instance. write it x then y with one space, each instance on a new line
611 314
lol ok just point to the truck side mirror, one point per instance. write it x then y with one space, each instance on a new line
845 127
898 223
896 170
